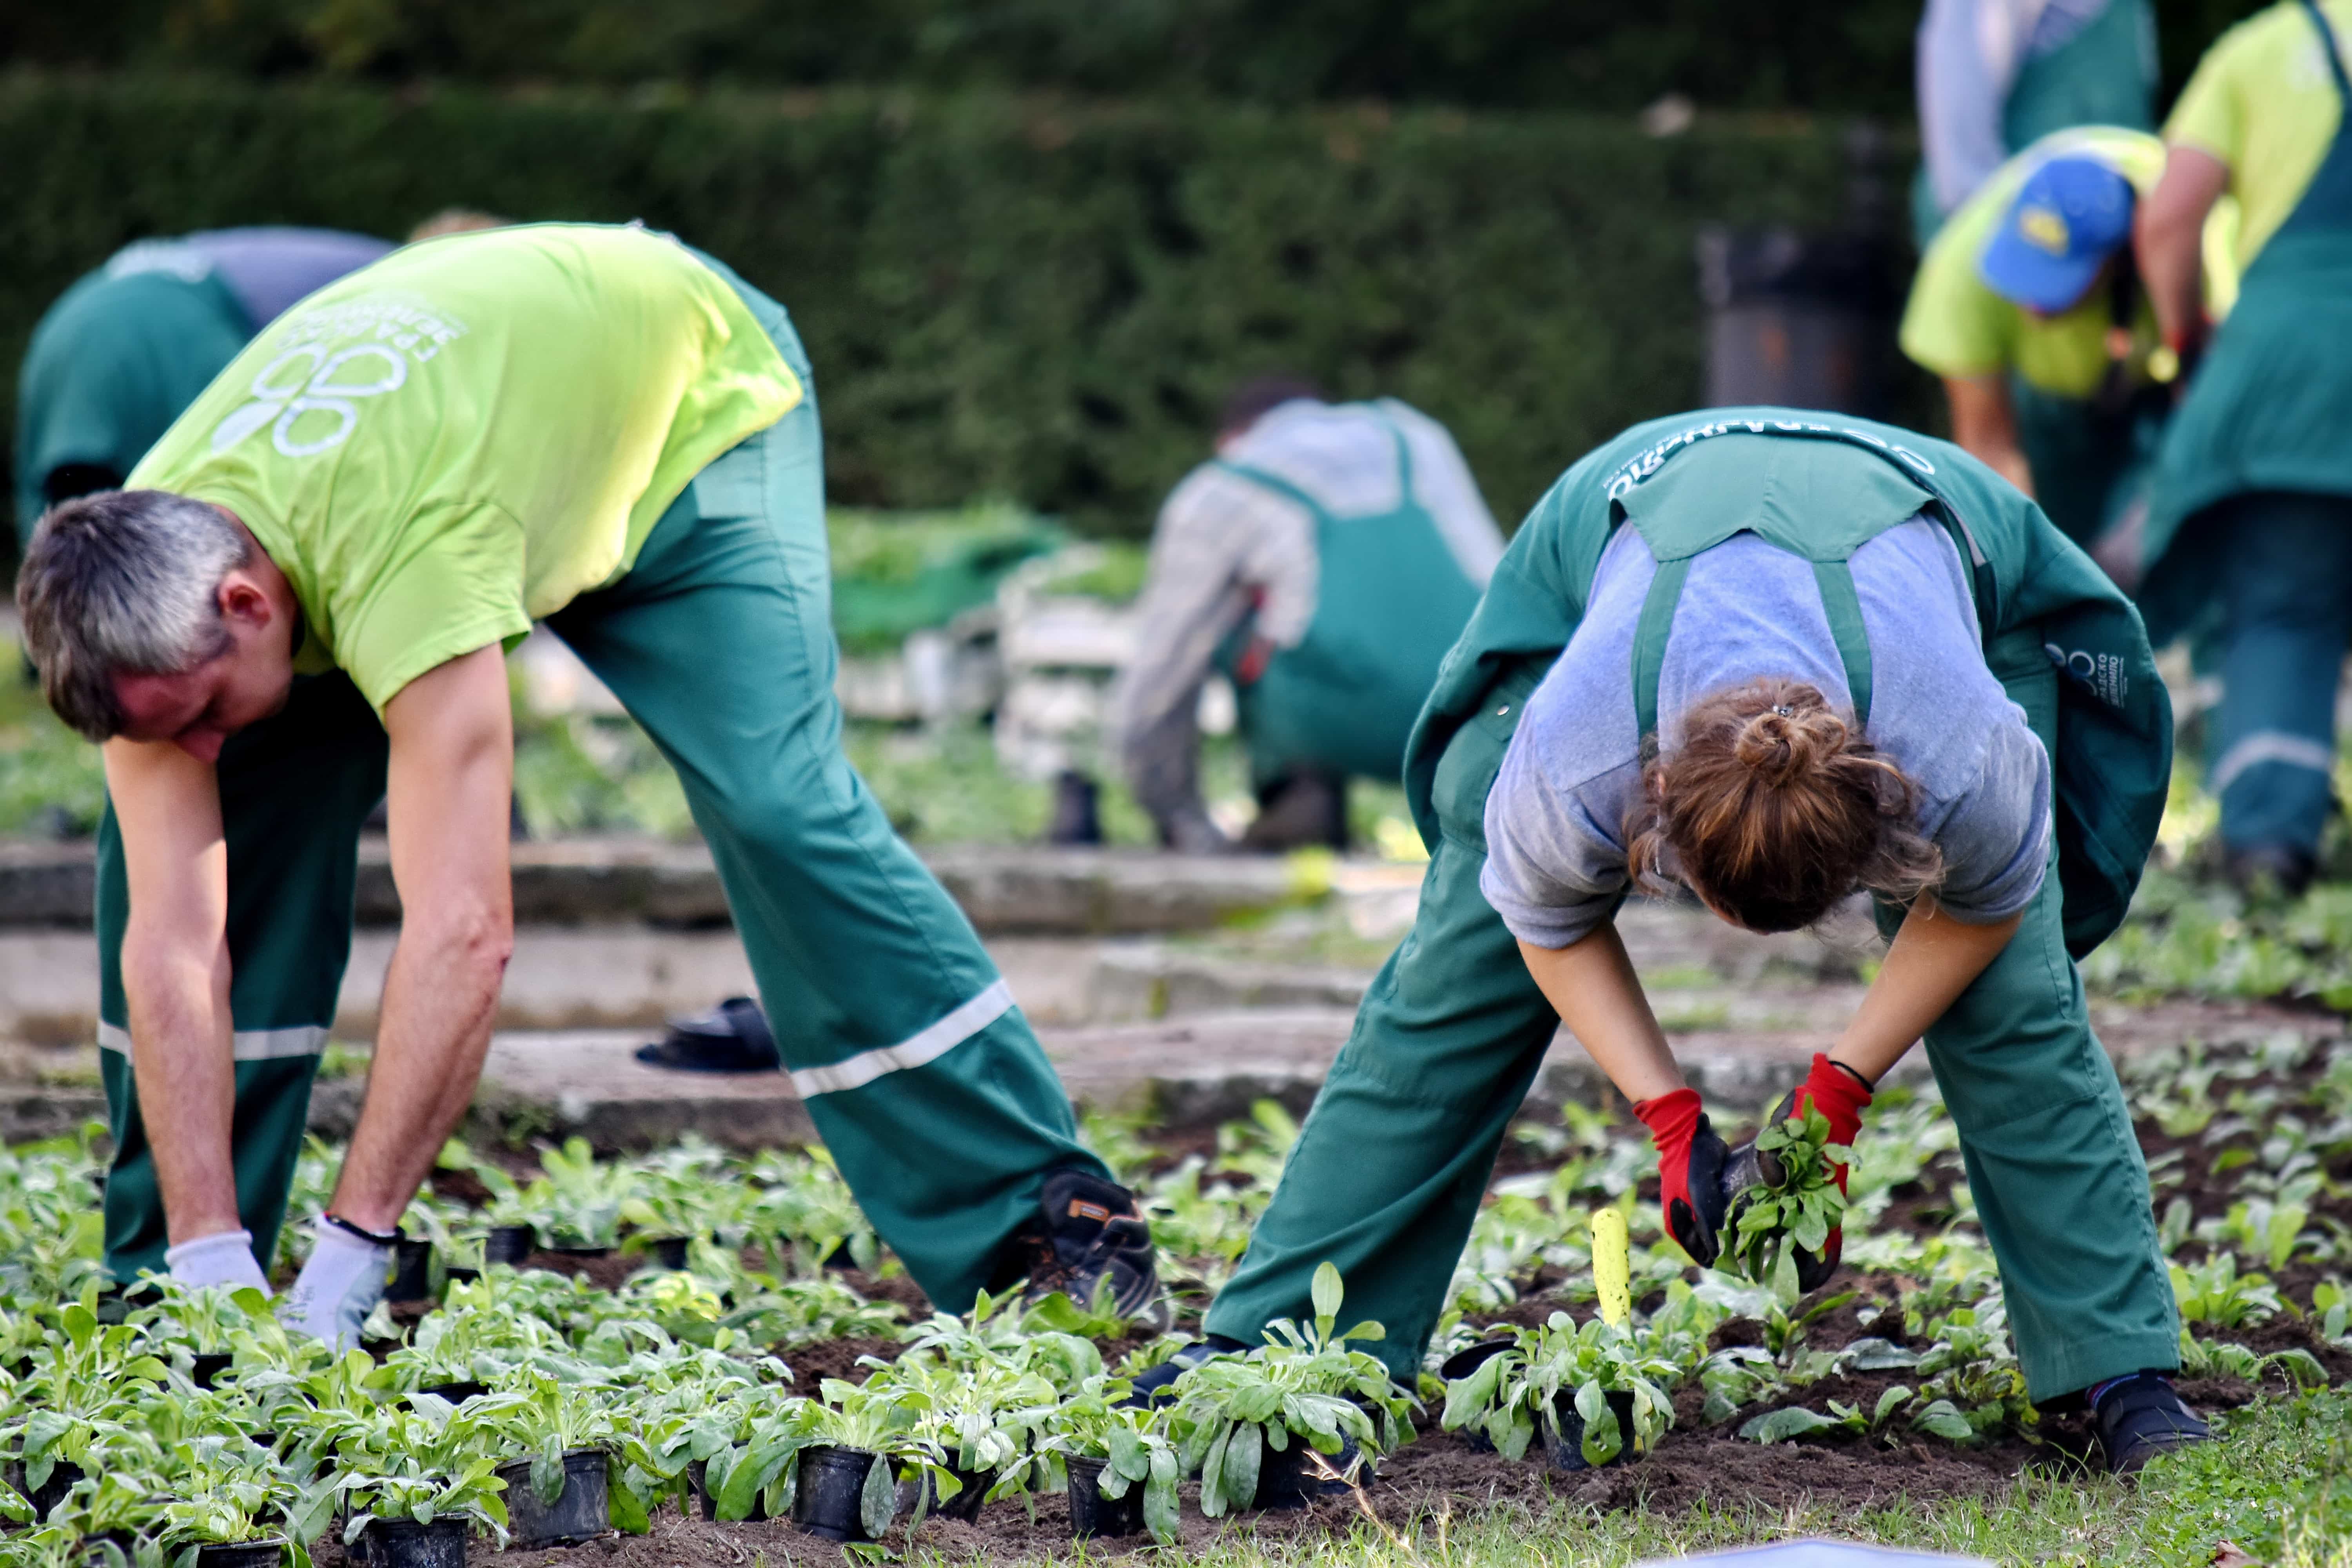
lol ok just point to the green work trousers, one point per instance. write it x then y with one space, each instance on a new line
1394 1159
925 1081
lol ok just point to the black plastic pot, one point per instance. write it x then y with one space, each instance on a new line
699 1471
965 1505
404 1544
582 1513
1288 1479
669 1251
1091 1513
454 1275
51 1492
831 1486
210 1365
267 1553
455 1393
1568 1454
1461 1364
412 1271
509 1244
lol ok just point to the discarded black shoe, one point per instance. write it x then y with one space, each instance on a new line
1154 1385
2141 1416
732 1037
1089 1235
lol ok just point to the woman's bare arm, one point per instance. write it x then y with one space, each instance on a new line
1592 984
1935 957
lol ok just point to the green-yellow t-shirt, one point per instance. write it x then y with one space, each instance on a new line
2263 101
467 435
1955 325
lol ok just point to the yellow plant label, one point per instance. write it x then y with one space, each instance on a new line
1611 1273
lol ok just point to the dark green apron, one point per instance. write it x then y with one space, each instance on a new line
2104 75
2271 406
1390 600
2039 602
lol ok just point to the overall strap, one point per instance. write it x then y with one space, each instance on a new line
1840 604
1650 634
1404 463
2334 55
1843 605
1274 482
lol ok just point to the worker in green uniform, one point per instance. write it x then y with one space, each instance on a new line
2029 307
2250 529
1820 654
1994 77
1323 560
113 362
301 603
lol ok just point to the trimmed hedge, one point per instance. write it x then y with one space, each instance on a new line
1027 297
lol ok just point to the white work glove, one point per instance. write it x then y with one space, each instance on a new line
340 1284
225 1258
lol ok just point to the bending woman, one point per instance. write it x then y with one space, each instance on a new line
1776 659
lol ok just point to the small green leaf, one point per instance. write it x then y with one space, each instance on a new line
1327 1289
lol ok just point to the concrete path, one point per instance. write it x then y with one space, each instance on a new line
1184 989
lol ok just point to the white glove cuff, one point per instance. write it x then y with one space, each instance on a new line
225 1258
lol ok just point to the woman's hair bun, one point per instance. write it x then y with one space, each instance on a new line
1787 741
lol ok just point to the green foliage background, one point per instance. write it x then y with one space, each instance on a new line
1851 57
1040 298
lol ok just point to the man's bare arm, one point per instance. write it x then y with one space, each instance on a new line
1984 425
176 978
2168 236
450 786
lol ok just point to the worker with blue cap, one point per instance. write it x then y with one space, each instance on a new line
2029 307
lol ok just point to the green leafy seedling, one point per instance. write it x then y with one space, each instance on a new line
1797 1197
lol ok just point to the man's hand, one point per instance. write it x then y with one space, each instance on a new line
450 790
1841 1095
2169 240
1691 1155
1984 425
176 978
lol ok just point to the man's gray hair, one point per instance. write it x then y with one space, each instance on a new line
124 583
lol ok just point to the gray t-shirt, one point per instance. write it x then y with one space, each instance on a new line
1555 837
264 270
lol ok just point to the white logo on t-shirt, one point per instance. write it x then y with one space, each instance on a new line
331 357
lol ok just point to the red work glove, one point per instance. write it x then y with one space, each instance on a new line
1690 1171
1840 1094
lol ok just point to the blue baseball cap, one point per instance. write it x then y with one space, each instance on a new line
2070 215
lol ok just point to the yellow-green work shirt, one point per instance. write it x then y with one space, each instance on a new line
2263 101
1955 325
467 435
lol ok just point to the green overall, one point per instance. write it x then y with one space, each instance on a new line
925 1081
2253 499
2104 75
110 366
1390 600
1394 1159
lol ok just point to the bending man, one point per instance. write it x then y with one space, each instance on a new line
1324 560
301 602
2030 308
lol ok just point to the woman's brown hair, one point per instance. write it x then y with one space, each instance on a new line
1774 808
